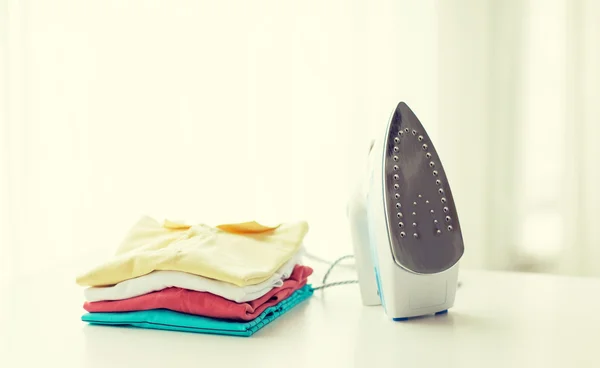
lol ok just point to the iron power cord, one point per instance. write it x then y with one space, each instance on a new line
323 260
325 285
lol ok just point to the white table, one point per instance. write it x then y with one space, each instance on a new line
500 320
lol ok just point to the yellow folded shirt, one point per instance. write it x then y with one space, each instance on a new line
241 254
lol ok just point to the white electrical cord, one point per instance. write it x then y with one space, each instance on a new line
322 260
333 264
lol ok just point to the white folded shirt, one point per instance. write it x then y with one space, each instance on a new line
159 280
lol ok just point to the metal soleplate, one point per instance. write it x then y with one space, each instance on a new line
423 226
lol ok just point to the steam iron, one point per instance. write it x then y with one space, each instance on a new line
405 231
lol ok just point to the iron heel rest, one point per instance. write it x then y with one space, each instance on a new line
406 234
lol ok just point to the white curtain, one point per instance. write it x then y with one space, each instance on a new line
518 113
233 110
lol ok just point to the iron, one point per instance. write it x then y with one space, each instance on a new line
409 275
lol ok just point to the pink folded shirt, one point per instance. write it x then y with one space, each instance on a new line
205 304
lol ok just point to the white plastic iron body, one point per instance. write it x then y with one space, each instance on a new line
406 235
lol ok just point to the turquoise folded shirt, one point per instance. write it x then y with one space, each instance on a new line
163 319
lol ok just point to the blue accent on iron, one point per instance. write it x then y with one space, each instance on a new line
379 290
373 249
401 319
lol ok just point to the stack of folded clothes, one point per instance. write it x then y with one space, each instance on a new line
231 279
